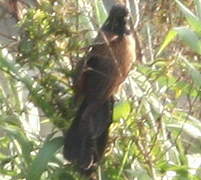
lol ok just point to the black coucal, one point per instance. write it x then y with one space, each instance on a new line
102 71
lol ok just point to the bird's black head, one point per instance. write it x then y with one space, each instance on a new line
118 20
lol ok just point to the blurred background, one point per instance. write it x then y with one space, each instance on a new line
156 134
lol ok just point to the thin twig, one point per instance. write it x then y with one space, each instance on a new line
150 43
137 13
7 36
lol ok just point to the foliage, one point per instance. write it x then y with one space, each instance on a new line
156 130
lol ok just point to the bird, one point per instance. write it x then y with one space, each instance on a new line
101 72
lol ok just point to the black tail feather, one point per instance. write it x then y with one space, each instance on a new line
86 139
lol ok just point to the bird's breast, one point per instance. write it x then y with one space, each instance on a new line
119 50
120 54
124 53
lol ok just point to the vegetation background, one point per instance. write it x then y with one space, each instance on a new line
156 134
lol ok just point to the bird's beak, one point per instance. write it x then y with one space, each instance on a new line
126 18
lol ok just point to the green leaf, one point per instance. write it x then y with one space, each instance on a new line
121 110
181 170
5 64
101 13
194 73
44 156
192 19
198 8
125 159
185 34
8 172
36 95
189 37
169 37
25 144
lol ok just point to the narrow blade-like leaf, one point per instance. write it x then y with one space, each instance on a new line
44 156
192 19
